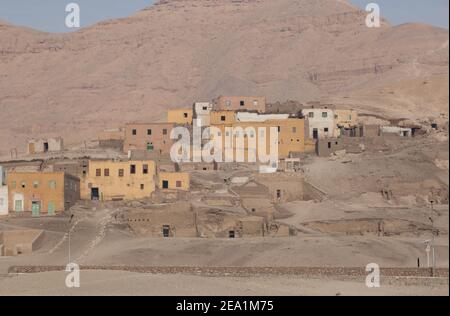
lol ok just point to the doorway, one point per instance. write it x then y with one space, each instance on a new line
315 133
95 194
35 208
18 205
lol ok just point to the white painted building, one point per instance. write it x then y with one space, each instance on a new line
396 130
320 123
202 111
3 193
256 117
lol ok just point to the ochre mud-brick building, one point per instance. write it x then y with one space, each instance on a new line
42 193
118 180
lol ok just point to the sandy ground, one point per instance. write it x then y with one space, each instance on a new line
127 283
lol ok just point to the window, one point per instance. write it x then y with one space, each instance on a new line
142 187
324 114
134 132
329 145
106 172
242 103
326 129
311 114
223 118
98 172
24 184
205 108
185 115
52 184
145 169
149 132
164 131
178 184
132 169
294 129
35 184
121 173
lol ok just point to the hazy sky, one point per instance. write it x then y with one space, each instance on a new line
49 15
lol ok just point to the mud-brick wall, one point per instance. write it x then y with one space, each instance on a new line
151 223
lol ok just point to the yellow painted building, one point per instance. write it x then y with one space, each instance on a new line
180 116
346 118
222 117
291 135
174 181
118 180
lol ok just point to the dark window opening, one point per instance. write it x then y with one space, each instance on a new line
166 231
106 172
98 172
185 115
145 169
165 184
223 118
149 132
45 147
242 103
142 187
134 132
231 234
133 169
164 131
329 144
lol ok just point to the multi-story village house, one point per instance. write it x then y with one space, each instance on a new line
42 192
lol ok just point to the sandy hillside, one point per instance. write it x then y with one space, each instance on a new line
178 51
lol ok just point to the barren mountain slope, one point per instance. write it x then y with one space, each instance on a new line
178 51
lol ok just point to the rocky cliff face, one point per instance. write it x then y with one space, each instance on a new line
179 51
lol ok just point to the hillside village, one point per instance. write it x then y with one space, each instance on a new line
130 168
